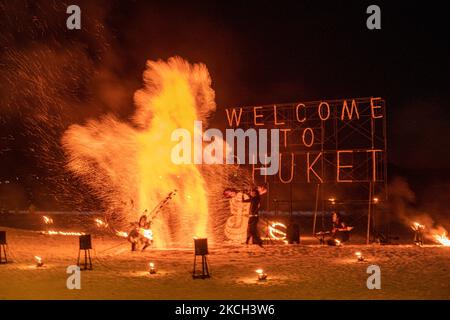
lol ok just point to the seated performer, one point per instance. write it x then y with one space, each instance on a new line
340 231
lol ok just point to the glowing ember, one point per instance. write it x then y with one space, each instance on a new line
47 220
337 242
62 233
129 164
147 233
442 239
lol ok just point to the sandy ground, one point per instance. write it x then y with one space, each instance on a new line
294 271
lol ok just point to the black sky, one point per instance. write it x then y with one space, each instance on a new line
262 52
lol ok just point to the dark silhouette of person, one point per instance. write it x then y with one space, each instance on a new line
252 229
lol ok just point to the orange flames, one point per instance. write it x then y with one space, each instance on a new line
146 233
129 164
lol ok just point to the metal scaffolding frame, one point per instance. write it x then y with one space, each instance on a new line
359 135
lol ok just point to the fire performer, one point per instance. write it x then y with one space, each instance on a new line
254 197
340 231
137 236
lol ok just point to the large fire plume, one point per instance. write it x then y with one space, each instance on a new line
127 164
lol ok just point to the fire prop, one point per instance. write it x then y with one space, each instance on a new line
122 234
277 231
438 235
146 233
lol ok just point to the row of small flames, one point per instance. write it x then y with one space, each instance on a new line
99 223
274 231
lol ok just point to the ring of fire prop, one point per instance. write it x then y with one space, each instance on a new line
277 231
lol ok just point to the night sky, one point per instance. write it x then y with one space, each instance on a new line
258 52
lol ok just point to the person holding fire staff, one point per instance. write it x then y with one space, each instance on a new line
254 197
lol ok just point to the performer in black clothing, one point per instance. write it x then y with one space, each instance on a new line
255 203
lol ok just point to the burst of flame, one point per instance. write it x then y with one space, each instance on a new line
277 233
147 233
259 271
442 239
358 254
338 242
129 164
47 220
38 259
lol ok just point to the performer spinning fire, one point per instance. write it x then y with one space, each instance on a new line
254 197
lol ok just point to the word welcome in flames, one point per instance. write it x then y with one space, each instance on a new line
210 147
